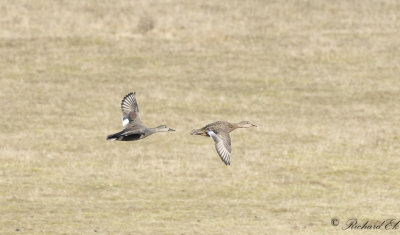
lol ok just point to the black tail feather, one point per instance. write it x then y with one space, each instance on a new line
119 136
114 136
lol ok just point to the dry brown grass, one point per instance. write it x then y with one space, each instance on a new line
321 79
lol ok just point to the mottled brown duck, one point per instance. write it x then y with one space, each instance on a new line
134 129
219 132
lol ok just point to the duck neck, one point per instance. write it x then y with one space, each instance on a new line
153 130
235 126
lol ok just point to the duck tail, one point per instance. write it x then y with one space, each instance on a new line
114 136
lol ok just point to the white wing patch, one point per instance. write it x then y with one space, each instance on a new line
125 121
220 147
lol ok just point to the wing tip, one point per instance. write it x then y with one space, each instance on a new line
129 94
129 100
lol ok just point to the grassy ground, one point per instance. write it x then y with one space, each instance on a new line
320 79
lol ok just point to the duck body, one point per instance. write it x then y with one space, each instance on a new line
135 133
218 126
129 134
219 132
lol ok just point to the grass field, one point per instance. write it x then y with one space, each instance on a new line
319 78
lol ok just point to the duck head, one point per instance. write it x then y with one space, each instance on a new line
164 128
246 124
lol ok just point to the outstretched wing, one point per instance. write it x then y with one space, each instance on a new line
130 109
222 145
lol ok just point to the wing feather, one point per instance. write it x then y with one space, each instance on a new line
130 109
222 145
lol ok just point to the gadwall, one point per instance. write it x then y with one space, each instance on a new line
219 132
134 129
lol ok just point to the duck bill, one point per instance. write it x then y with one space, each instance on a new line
194 132
171 129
